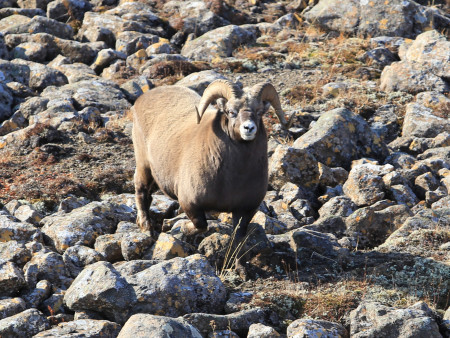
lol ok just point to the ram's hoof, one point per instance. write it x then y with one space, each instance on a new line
189 229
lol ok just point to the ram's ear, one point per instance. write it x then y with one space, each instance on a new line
221 103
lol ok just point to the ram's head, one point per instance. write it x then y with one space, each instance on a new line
243 108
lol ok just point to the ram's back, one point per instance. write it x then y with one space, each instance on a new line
164 125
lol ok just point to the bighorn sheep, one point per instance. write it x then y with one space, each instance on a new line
207 159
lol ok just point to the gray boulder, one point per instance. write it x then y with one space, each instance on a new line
24 324
42 76
219 42
40 24
10 229
365 184
78 256
305 328
148 289
66 10
83 328
200 80
340 136
238 322
84 225
47 266
421 122
140 325
99 93
378 18
377 320
11 279
293 165
11 306
259 330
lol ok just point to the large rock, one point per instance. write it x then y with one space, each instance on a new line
421 122
141 325
340 136
218 43
432 51
371 320
375 18
155 289
200 80
42 76
40 24
47 266
11 279
365 184
24 324
293 165
11 306
83 328
84 225
99 287
305 328
10 229
102 94
370 226
192 17
411 78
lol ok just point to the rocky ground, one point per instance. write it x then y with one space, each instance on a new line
353 237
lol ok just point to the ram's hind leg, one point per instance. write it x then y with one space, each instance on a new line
199 223
144 185
239 249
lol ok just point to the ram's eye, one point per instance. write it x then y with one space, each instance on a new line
232 113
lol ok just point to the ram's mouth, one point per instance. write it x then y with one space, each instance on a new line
248 136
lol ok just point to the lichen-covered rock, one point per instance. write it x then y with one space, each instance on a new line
411 78
365 184
375 320
136 87
65 10
338 137
42 76
422 122
147 325
78 256
24 324
41 24
83 328
270 225
396 18
305 328
109 247
155 289
28 214
403 194
102 94
218 43
168 247
84 225
259 330
10 229
11 306
431 50
14 251
200 80
11 279
337 206
307 242
290 164
372 225
158 288
134 244
99 287
238 322
37 295
6 101
47 266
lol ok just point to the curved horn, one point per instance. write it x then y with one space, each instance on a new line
216 90
267 92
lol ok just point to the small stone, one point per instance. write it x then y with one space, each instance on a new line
261 331
305 328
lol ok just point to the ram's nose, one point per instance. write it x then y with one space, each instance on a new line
248 130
